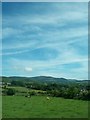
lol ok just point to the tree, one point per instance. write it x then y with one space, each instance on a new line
10 91
17 83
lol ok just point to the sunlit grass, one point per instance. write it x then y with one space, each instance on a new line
40 107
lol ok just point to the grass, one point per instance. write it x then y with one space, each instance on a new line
0 107
23 89
20 89
40 107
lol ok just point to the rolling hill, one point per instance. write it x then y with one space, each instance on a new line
43 79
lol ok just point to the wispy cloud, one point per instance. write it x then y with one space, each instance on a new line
22 68
7 32
46 37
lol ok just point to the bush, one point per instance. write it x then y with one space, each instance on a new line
32 93
10 91
18 83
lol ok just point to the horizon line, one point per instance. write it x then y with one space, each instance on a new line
43 76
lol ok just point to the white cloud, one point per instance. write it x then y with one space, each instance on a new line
28 69
57 39
51 38
9 31
22 68
64 58
25 67
14 53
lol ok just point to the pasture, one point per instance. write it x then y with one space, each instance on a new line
20 91
40 107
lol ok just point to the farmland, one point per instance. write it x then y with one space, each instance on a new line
28 99
40 107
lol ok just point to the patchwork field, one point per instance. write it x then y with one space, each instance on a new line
40 107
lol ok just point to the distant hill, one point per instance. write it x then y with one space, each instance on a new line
43 79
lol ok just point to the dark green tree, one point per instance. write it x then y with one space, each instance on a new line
10 91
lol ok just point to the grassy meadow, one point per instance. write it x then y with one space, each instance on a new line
0 107
40 107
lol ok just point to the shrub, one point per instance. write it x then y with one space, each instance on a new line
32 93
10 91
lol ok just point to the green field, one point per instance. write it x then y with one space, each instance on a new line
40 107
0 107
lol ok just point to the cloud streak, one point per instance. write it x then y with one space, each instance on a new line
46 37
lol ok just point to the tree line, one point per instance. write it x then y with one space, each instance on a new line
70 91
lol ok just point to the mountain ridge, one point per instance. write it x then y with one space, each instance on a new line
43 79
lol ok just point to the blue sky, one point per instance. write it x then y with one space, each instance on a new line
45 0
45 39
